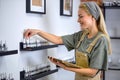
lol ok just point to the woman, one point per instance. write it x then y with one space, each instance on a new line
91 44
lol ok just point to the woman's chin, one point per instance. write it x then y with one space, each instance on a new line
83 29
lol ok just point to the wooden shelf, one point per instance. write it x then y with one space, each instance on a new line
110 68
4 53
60 44
115 37
38 48
34 77
112 7
37 76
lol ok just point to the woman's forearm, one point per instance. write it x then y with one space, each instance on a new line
84 71
50 37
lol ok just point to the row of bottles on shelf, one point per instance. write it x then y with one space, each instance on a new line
35 70
5 76
112 3
3 46
33 43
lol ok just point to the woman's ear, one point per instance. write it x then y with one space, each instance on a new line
93 19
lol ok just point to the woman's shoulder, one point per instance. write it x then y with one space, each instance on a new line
102 36
103 39
79 33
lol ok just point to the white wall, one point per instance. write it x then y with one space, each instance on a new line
14 19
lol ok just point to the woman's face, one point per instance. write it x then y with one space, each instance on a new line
84 19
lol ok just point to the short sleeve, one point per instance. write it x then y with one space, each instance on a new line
70 41
99 55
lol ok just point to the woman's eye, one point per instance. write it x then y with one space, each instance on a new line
81 16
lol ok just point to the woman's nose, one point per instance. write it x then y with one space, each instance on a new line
78 20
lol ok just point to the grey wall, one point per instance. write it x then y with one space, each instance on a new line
113 23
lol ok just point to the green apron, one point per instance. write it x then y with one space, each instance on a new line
82 59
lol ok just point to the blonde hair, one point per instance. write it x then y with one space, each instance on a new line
100 25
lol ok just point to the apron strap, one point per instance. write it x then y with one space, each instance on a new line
89 49
81 38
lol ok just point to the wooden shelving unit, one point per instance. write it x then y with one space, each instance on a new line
36 48
37 76
110 68
112 7
11 52
114 37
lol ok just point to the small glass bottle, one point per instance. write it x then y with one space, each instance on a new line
0 45
5 46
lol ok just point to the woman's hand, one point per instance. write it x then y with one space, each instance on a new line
30 32
57 63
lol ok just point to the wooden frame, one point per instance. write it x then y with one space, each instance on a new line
36 6
66 7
